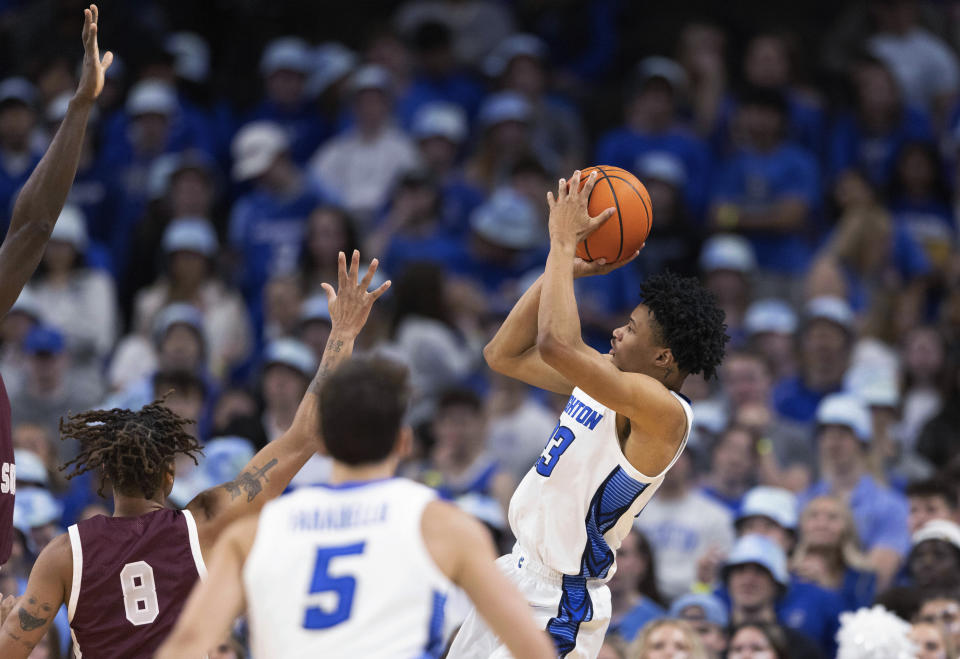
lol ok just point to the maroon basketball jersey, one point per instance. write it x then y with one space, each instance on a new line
8 476
131 578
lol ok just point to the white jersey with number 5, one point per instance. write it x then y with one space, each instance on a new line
577 503
343 571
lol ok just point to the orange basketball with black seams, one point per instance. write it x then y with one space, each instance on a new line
627 229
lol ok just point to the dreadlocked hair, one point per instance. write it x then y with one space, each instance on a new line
689 321
130 449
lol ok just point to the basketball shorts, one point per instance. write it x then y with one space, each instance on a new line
575 612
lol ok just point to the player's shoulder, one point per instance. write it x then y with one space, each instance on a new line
449 533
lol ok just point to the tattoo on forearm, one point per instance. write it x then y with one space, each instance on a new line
28 622
333 349
249 482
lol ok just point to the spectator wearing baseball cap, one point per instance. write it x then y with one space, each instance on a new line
652 123
287 63
288 366
708 616
80 301
440 131
364 162
728 264
771 512
50 390
190 246
770 327
934 559
520 64
267 225
826 343
768 189
756 579
19 152
679 237
844 434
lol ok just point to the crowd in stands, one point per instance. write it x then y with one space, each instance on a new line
811 185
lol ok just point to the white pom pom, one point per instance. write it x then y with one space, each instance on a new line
874 633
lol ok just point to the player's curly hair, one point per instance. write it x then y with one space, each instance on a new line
132 450
689 321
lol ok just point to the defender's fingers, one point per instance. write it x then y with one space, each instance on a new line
331 294
355 266
591 181
381 290
368 277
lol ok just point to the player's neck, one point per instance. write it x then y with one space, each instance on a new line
344 473
126 506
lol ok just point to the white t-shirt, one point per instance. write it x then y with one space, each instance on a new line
680 531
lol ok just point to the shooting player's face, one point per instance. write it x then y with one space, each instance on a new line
634 346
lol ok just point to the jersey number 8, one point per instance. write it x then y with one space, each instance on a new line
139 593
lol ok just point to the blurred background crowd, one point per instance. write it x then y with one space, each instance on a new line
802 161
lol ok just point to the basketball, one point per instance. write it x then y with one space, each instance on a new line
626 230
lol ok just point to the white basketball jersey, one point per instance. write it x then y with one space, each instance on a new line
343 571
577 503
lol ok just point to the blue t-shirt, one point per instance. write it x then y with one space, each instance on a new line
756 181
793 400
304 126
806 124
624 148
809 609
10 184
879 513
636 618
851 147
459 88
930 226
267 232
907 257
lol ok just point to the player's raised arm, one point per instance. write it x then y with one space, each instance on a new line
644 400
215 602
47 589
40 201
513 349
272 468
462 548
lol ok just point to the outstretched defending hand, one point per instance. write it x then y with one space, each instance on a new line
91 77
570 220
350 304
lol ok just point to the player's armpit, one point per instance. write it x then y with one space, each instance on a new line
216 602
46 591
463 550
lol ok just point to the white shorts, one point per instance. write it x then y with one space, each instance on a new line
575 612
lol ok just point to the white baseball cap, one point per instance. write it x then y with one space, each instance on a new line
331 62
935 529
151 97
190 234
292 353
30 468
440 119
371 77
507 219
727 251
504 106
662 166
770 315
256 147
516 45
844 409
832 308
191 55
774 503
71 227
762 551
286 54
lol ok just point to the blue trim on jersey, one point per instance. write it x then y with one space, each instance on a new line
613 498
349 485
575 608
435 645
